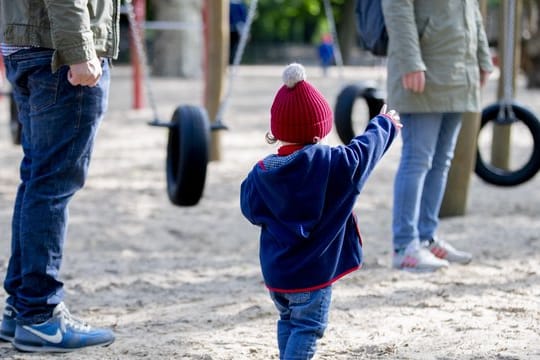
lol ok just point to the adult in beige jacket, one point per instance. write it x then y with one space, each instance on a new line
56 55
438 59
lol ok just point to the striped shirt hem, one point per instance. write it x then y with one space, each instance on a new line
7 49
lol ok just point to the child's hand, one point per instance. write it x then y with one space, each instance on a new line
393 115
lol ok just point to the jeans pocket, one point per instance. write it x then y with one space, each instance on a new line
41 82
44 89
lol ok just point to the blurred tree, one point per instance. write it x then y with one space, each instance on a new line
303 21
177 52
530 40
531 43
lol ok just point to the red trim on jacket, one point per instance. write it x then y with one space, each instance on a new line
313 288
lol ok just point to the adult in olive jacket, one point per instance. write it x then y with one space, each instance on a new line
56 55
438 59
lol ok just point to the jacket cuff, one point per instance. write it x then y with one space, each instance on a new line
73 55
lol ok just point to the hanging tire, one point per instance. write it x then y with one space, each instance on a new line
187 155
14 124
344 107
504 177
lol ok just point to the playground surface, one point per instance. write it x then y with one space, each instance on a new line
184 282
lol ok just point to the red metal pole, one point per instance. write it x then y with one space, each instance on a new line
139 7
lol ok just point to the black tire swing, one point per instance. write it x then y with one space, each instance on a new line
188 144
188 138
343 109
508 112
187 155
501 114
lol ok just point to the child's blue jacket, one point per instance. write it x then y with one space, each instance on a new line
304 202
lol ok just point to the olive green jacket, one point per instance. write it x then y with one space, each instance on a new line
447 40
78 30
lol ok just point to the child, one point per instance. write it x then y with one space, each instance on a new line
326 52
302 198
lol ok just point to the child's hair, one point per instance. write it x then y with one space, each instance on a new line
270 139
300 113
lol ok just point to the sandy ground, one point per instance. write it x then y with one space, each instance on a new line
184 283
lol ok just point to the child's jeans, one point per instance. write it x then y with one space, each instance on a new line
303 319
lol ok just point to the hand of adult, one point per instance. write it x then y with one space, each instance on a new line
86 74
414 81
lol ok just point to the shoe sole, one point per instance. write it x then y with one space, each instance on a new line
461 262
419 270
6 338
53 349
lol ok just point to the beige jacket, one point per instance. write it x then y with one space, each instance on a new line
78 30
444 38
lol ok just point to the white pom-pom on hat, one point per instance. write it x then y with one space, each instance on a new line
293 74
299 114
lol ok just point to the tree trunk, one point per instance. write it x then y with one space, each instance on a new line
178 52
530 61
347 30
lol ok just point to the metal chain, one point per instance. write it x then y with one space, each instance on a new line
508 66
136 29
233 70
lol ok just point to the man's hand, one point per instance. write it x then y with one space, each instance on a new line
414 81
86 74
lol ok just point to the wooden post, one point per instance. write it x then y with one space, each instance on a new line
216 61
500 154
457 187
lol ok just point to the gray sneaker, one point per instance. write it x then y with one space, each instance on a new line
444 250
416 258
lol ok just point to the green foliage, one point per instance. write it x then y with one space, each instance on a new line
300 21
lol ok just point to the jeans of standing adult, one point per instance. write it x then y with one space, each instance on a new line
59 123
429 140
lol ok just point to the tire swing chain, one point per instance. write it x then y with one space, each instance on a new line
218 123
505 112
136 29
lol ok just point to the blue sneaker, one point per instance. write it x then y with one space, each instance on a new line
7 329
61 333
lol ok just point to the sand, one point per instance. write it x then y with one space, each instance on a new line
184 283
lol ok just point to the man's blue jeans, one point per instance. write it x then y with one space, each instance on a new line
303 319
429 140
59 124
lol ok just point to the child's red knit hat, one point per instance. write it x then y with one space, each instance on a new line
299 112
